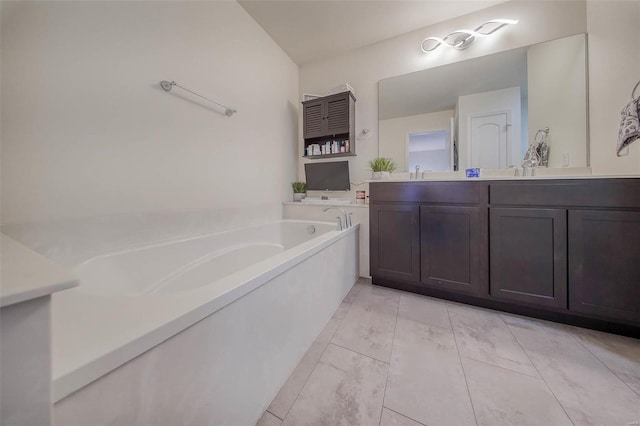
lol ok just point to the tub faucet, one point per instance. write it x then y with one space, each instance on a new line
344 221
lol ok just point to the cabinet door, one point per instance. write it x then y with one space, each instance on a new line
338 115
314 123
450 248
395 243
528 255
604 263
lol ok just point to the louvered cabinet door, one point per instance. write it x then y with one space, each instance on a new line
314 119
338 115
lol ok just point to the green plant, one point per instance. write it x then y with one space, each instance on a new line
382 164
299 187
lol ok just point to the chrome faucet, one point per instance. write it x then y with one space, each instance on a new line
417 171
343 222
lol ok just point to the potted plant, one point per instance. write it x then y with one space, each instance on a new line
299 190
381 167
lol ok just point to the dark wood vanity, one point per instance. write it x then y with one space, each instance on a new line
566 250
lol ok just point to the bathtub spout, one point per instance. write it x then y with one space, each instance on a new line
344 221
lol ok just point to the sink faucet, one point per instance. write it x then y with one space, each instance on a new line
343 222
417 171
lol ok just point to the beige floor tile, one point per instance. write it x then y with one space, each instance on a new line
391 418
482 335
363 281
589 392
424 310
620 354
345 388
503 397
426 381
342 310
351 296
269 419
368 325
289 392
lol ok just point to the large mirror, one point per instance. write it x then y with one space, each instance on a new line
485 112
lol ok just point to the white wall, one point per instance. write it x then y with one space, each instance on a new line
614 60
86 130
614 68
394 131
558 99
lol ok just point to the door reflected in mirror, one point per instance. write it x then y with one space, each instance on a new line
486 111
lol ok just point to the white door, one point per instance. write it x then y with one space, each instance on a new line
489 140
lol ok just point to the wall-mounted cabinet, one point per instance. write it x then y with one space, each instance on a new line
329 126
564 250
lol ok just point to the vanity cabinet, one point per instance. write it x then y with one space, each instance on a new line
450 248
328 119
528 255
604 266
446 223
566 250
395 244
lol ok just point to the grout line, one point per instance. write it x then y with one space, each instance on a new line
406 417
503 368
462 366
359 353
393 339
267 411
539 373
605 365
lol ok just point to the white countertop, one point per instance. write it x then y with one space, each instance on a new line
327 203
504 178
25 274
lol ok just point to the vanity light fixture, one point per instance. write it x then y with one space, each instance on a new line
461 39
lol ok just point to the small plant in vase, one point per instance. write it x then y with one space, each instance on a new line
299 190
382 167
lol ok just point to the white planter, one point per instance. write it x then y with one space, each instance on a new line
298 196
380 175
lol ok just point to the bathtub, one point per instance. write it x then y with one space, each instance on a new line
201 330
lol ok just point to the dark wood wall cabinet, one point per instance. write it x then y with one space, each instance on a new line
566 250
330 120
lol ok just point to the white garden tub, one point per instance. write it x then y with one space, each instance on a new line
259 296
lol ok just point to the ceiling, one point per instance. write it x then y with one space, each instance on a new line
311 30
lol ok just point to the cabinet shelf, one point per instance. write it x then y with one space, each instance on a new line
339 154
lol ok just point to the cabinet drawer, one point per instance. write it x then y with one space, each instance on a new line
429 192
619 193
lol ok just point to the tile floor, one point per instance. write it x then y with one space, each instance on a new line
393 358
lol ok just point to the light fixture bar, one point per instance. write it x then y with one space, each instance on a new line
461 39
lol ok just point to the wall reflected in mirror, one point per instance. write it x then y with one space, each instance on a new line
484 112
